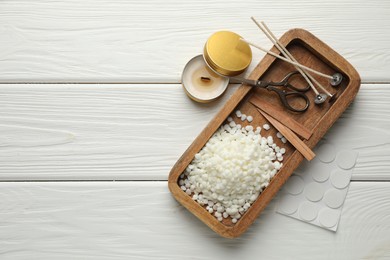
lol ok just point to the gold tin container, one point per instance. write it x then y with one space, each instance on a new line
226 54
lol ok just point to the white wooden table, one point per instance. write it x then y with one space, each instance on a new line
83 165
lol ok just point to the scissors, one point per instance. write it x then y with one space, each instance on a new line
283 94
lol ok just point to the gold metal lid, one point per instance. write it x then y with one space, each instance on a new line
226 54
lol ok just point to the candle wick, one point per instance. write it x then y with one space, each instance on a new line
205 79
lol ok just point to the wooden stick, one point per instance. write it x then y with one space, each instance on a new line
287 54
318 84
286 60
287 121
271 37
290 136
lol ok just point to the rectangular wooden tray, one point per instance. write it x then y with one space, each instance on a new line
310 51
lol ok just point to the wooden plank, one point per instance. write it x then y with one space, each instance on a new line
93 132
287 121
139 220
150 41
117 132
290 136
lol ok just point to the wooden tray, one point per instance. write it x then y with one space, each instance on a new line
310 51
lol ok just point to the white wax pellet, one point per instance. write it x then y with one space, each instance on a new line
284 140
266 127
277 165
249 118
234 220
270 140
243 117
229 119
249 128
238 113
232 124
279 135
282 150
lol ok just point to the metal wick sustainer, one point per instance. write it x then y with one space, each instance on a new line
336 79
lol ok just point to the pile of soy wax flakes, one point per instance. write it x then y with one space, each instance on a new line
233 168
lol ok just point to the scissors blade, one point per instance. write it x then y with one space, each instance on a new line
250 82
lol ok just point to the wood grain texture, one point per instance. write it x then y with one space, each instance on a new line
151 41
140 220
117 132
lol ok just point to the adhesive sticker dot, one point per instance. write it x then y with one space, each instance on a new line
329 217
299 173
308 211
346 159
288 204
314 191
334 198
294 185
303 166
326 153
340 178
321 174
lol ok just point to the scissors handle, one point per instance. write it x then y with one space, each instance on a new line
286 82
284 98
